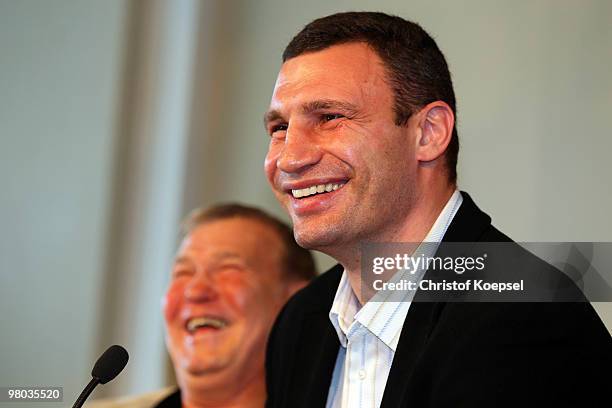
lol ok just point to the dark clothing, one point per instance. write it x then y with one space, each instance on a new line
452 354
171 401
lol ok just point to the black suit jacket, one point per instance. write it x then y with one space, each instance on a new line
452 354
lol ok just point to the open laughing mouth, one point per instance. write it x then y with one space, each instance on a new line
317 189
205 324
314 196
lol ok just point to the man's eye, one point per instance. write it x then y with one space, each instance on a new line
278 128
231 268
328 117
179 273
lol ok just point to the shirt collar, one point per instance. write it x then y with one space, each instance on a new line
344 308
383 319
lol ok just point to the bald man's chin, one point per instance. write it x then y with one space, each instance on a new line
204 378
197 367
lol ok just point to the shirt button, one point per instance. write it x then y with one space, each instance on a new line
362 374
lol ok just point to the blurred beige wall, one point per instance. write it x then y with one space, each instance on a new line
60 75
119 116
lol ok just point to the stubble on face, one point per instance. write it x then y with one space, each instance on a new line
375 155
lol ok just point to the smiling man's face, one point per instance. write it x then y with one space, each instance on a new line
337 161
224 294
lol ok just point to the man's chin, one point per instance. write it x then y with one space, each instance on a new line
203 365
314 239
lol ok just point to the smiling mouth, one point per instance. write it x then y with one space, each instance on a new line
205 322
317 189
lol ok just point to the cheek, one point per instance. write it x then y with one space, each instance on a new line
354 146
270 161
393 154
240 295
172 301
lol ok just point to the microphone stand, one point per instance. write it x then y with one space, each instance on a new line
86 391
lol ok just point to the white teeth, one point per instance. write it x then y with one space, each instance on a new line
197 322
317 189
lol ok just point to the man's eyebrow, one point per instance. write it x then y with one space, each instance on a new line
324 104
217 255
313 106
271 115
226 255
181 260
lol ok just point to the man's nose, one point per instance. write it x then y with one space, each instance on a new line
201 288
299 152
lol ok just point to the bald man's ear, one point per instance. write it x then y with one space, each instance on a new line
436 123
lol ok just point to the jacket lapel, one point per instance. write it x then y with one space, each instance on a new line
319 348
467 226
323 360
411 343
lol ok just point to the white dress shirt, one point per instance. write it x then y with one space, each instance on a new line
369 335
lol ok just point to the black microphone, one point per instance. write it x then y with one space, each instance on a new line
108 366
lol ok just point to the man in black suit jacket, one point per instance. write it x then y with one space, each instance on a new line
364 149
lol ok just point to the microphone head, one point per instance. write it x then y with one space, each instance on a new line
110 364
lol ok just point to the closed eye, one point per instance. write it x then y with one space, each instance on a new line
179 273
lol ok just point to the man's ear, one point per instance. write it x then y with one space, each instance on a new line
436 123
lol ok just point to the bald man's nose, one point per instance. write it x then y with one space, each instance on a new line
201 288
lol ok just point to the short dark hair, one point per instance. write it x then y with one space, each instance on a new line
297 262
417 70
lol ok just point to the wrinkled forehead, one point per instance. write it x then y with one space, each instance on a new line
338 71
232 239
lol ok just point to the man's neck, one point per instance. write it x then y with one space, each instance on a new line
413 229
253 395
